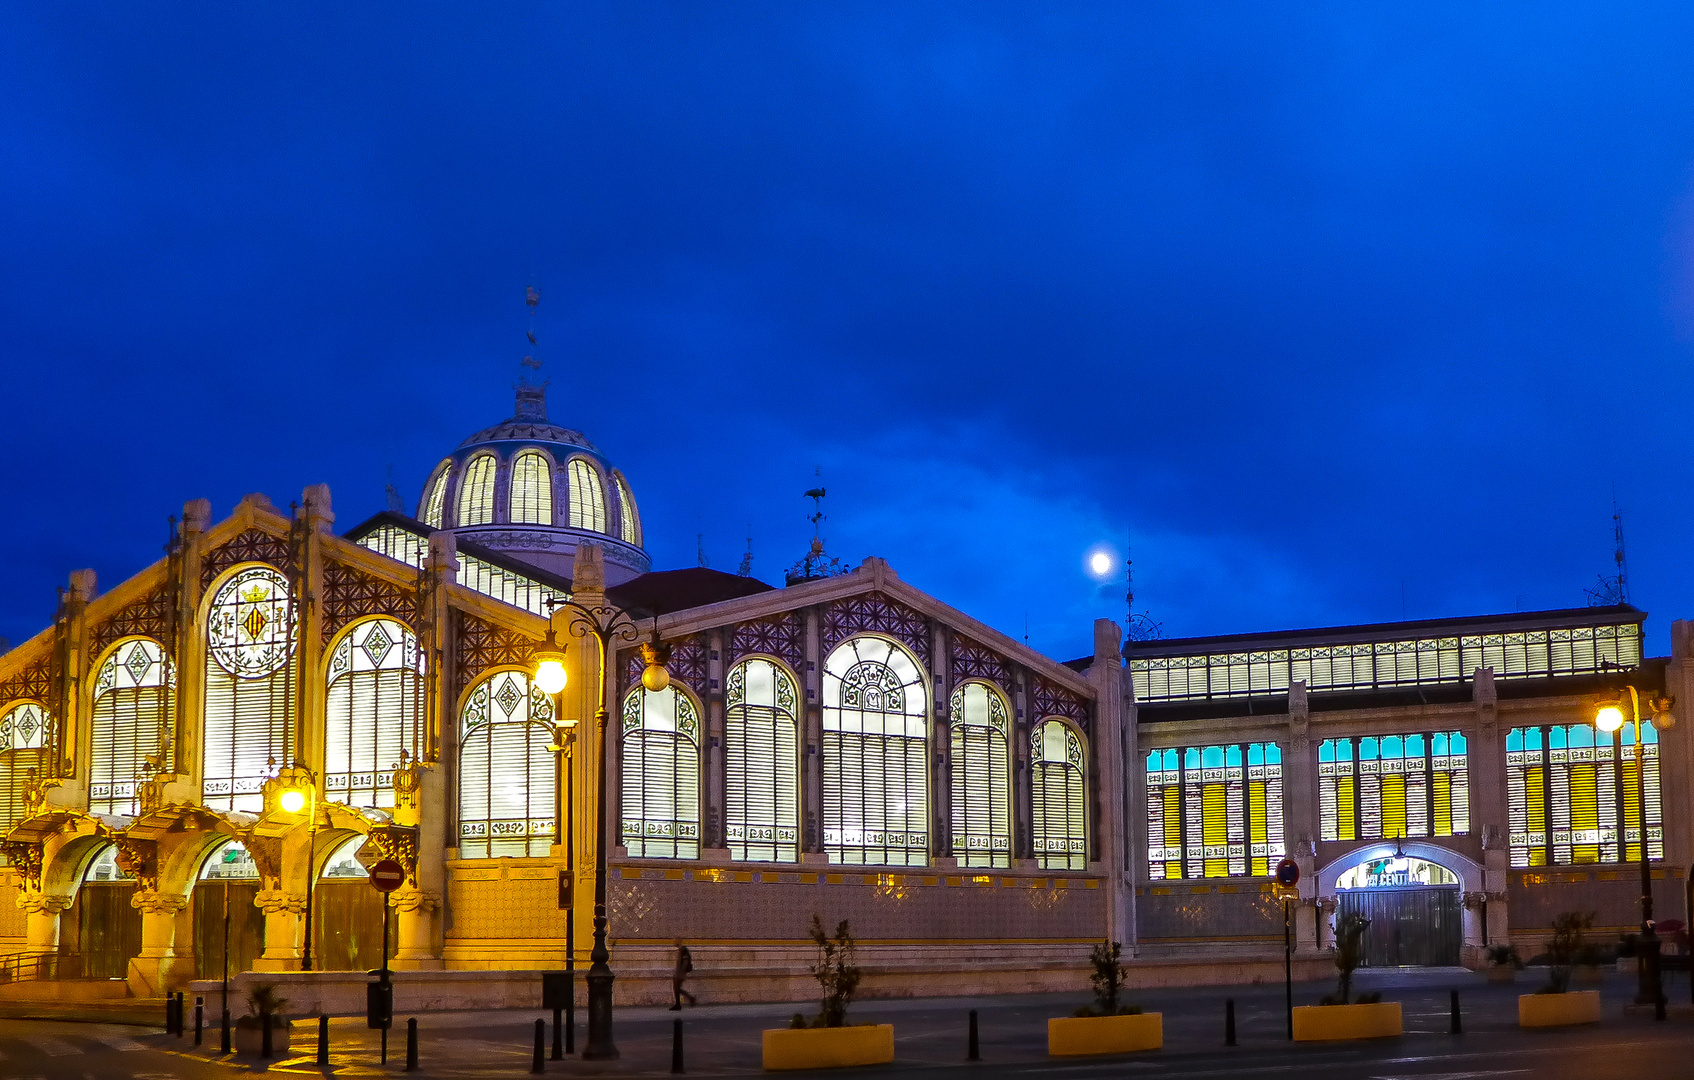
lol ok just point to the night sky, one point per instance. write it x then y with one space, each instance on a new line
1351 312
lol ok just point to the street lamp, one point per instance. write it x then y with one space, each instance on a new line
607 625
294 800
1609 717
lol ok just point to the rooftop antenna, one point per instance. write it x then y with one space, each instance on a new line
532 398
1140 626
746 567
393 493
1613 590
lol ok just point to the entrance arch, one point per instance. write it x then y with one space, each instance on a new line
1417 913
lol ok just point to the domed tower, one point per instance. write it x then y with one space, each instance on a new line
534 491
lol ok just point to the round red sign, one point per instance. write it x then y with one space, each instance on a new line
1288 873
387 875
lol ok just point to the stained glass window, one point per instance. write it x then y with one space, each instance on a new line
1059 797
26 740
661 775
133 724
1384 787
1214 811
373 711
982 785
435 495
532 489
508 803
476 491
588 500
250 687
875 755
761 762
629 519
1568 787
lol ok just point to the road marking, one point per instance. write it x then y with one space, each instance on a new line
120 1042
1453 1075
53 1047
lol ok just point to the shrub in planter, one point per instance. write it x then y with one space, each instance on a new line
1335 1017
1108 1025
1503 963
1565 948
826 1041
263 1006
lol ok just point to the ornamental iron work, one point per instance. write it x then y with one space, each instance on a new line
876 613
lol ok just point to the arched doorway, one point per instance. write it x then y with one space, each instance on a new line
346 913
223 896
1412 894
100 927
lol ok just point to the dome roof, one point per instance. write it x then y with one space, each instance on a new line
529 431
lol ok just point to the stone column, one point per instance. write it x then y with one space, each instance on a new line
74 730
811 737
712 769
165 919
317 520
1676 754
417 902
284 913
41 920
1111 781
1486 762
414 929
579 702
189 651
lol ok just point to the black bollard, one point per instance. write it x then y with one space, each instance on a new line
412 1044
1455 1026
558 1034
181 1014
323 1040
265 1034
1659 1006
199 1019
170 1014
676 1048
973 1052
1229 1022
223 1045
539 1064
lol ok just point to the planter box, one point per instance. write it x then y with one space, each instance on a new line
1557 1010
1068 1035
828 1048
1502 973
1323 1023
250 1039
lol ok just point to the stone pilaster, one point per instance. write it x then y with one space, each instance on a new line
1111 757
414 931
315 520
1301 820
1485 758
166 919
284 913
580 701
189 652
811 736
73 716
41 919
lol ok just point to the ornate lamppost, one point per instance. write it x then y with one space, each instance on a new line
299 792
1609 717
607 625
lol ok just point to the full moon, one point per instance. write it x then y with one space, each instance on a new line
1100 563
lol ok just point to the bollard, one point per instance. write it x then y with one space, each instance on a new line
323 1040
558 1034
1229 1022
676 1048
224 1043
265 1034
181 1014
539 1064
199 1019
170 1014
1455 1026
412 1044
570 1021
972 1052
1659 1006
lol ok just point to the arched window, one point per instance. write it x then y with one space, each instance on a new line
875 755
982 784
629 520
435 495
532 489
373 711
661 775
507 792
588 501
133 724
250 687
1059 805
26 739
1571 791
762 760
476 491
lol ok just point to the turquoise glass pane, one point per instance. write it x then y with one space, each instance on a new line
1532 738
1211 757
1256 754
1191 757
1414 746
1273 754
1514 741
1457 742
1232 757
1367 749
1393 747
1581 735
1649 733
1326 752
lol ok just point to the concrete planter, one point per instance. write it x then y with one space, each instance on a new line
1325 1023
828 1048
1559 1010
248 1036
1502 973
1068 1035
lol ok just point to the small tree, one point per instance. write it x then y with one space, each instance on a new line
1108 980
835 973
1349 950
1565 947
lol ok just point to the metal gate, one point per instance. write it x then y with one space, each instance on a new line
1419 926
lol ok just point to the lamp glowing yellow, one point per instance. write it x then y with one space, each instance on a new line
293 801
550 673
655 678
1100 563
1609 718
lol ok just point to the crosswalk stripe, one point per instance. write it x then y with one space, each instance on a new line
53 1047
120 1042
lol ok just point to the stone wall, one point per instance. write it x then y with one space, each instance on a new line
1215 912
1612 893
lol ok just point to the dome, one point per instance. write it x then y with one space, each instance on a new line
534 491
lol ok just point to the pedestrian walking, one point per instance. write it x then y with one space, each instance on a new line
684 964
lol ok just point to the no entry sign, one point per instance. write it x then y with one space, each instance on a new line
387 875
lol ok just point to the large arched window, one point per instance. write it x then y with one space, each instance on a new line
1059 803
629 521
26 739
250 687
762 761
133 724
532 489
982 776
661 775
875 755
373 711
508 801
588 499
1569 788
476 491
435 495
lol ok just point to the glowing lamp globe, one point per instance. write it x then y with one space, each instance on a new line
550 672
1609 718
293 801
655 678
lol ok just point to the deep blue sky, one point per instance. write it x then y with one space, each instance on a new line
1351 312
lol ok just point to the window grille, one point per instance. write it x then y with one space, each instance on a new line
1568 787
982 784
1214 811
1392 786
474 573
435 502
1058 804
588 499
508 803
26 738
762 763
250 687
132 726
875 754
629 520
660 754
373 710
476 491
397 543
532 489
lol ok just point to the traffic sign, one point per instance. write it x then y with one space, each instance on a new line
1288 873
387 875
